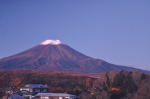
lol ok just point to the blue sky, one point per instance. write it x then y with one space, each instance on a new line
117 31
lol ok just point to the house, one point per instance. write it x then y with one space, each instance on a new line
54 96
34 88
30 90
39 91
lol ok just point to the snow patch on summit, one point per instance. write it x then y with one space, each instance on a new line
51 42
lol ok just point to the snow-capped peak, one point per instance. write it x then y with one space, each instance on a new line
51 42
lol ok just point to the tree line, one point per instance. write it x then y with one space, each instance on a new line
110 85
57 82
120 85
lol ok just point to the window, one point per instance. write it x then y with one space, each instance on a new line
36 90
44 90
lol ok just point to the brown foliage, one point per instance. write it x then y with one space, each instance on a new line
115 89
15 82
58 82
124 84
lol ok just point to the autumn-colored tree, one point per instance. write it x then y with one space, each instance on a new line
15 82
59 90
89 82
52 89
2 82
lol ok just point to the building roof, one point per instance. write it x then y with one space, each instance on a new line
35 86
24 92
16 96
55 94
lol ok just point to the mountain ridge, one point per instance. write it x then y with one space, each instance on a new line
57 57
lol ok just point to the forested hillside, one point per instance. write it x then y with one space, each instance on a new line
110 85
57 82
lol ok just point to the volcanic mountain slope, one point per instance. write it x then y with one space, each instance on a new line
53 56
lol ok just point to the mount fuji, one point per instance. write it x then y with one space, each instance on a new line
54 56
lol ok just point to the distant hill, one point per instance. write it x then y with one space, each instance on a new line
54 56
